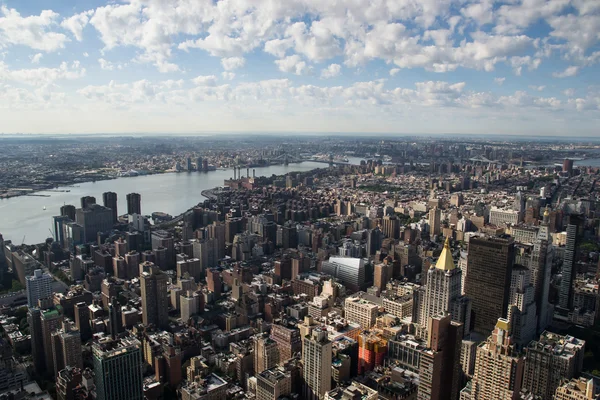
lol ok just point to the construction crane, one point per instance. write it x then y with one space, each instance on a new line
51 234
23 241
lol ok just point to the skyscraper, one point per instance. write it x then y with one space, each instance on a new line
541 270
82 320
316 361
439 368
550 360
490 261
109 200
87 201
568 166
391 227
37 341
288 341
374 241
155 299
266 353
39 286
443 291
94 218
498 368
51 320
66 348
382 274
134 203
118 369
568 274
68 211
435 221
521 306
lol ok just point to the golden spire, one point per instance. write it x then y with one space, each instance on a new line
445 262
546 212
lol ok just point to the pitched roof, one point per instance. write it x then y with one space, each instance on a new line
445 262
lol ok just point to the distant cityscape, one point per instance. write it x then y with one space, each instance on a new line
316 268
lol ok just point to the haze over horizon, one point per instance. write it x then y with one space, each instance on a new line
473 67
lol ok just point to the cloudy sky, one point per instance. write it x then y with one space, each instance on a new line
522 67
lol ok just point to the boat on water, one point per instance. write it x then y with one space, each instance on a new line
44 208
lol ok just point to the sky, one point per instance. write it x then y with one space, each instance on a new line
514 67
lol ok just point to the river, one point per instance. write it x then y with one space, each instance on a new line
172 193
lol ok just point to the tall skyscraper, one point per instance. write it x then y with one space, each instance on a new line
68 210
82 320
565 298
214 281
550 360
316 361
382 274
87 201
37 339
3 263
39 286
288 341
374 241
568 166
487 285
94 218
541 272
439 369
51 320
134 203
155 299
391 227
521 306
443 291
498 368
435 221
109 200
118 369
66 348
266 353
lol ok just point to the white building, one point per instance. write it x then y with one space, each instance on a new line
39 286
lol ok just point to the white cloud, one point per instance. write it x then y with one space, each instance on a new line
537 88
233 63
331 71
518 62
33 31
207 80
106 65
85 54
394 71
43 75
35 59
499 81
228 76
77 23
569 92
569 71
293 64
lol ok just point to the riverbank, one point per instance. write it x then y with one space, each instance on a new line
171 193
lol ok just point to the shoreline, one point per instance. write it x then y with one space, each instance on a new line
54 188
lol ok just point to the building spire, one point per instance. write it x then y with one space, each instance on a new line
445 262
